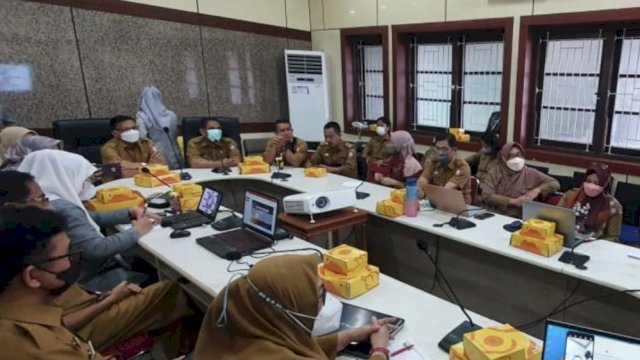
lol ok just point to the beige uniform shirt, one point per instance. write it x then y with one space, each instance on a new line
142 151
298 147
202 148
456 171
343 156
376 149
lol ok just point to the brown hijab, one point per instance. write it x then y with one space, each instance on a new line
255 329
515 183
599 206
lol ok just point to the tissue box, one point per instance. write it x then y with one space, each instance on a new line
345 260
315 172
253 160
244 168
116 198
145 180
500 343
188 190
351 286
533 237
398 196
456 352
389 208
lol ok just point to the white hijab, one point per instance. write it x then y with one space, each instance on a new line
61 175
152 117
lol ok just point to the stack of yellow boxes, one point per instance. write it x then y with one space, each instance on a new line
460 135
394 206
189 195
116 198
502 342
346 272
162 171
539 237
317 172
253 165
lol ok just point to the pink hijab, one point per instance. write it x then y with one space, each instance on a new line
403 141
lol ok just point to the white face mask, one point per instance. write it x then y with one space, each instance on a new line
87 192
516 164
328 320
381 130
130 136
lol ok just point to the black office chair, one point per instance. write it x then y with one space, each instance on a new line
566 182
191 128
542 169
493 124
83 136
629 196
578 178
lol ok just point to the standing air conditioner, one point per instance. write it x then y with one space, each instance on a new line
308 91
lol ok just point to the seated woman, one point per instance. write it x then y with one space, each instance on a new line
402 163
508 185
10 135
14 155
65 179
598 214
275 313
487 157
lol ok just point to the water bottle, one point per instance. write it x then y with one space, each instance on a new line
411 204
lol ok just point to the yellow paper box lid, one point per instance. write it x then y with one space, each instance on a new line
345 259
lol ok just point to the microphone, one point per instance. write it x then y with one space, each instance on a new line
147 171
183 175
459 223
571 257
278 174
230 222
456 335
223 169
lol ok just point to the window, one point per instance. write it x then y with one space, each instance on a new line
364 72
451 75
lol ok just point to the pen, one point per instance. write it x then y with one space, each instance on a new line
400 351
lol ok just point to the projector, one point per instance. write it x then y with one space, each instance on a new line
317 203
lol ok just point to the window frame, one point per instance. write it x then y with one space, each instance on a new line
403 71
348 37
529 68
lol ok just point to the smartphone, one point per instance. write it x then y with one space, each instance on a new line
484 215
111 171
579 346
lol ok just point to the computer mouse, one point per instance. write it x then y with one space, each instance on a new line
175 234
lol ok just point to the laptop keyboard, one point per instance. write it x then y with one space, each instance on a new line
241 238
188 220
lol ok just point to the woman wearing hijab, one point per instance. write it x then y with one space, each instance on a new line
274 313
598 214
152 118
402 162
487 157
9 136
15 154
508 185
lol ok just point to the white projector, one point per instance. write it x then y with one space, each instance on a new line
317 203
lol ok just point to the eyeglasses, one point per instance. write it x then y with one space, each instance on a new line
323 295
73 256
40 199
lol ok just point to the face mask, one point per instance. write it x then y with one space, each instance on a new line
130 136
381 130
87 192
592 190
443 159
328 320
214 134
516 164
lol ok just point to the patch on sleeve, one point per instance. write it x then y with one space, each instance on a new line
232 147
458 172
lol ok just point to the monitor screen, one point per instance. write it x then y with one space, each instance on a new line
260 213
571 342
209 202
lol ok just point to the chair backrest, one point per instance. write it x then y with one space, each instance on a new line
578 178
542 169
254 146
566 182
629 196
83 136
475 185
191 128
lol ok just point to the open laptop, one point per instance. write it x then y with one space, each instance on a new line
569 342
206 212
257 231
565 219
448 200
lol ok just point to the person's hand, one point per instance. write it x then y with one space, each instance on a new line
517 202
387 181
123 291
531 194
136 213
143 225
231 162
379 162
154 216
380 337
365 332
377 177
279 141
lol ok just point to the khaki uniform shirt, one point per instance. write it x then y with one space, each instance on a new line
484 162
36 332
142 151
298 147
456 171
344 156
376 149
202 148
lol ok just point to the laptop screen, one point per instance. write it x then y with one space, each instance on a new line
209 202
260 213
571 342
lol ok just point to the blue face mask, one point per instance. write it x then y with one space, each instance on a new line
214 134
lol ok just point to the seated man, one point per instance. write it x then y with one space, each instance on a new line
376 149
292 150
335 155
211 149
34 251
447 170
128 149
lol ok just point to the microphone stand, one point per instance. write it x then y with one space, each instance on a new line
278 174
459 223
360 194
455 335
577 260
160 201
183 175
146 170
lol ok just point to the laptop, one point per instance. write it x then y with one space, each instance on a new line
569 342
354 317
448 200
257 232
564 218
206 212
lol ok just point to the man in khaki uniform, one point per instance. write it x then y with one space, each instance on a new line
291 150
335 155
376 149
447 170
128 149
211 149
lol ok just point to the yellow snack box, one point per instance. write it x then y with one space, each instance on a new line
398 196
352 286
532 237
244 168
389 208
345 259
117 198
315 172
456 352
146 180
189 203
502 342
463 138
156 169
253 160
188 190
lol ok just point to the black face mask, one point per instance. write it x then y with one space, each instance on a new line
68 277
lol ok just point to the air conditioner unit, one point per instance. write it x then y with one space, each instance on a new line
308 92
